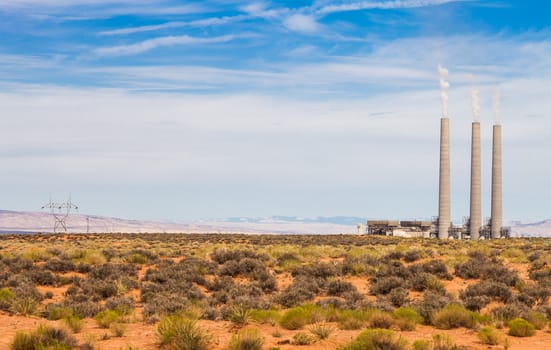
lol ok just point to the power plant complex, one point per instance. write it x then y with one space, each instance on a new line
441 226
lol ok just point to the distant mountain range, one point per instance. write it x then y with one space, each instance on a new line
29 222
535 229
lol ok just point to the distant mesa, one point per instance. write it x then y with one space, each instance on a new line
32 222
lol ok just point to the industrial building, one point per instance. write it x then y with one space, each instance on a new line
399 228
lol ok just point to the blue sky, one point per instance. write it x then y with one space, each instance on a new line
194 109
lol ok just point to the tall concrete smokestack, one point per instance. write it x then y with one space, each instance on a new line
444 216
476 211
497 208
475 216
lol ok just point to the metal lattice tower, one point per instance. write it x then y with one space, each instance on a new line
60 212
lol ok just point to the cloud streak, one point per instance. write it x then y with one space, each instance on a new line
206 22
381 5
166 41
302 20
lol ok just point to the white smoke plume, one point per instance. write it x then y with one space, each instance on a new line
497 116
444 86
475 99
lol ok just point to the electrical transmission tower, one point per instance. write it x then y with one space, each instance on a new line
60 212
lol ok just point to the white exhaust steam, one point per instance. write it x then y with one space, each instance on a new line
475 99
497 116
444 86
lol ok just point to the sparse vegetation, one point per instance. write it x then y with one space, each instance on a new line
316 285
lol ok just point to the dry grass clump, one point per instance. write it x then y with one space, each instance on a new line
302 338
376 339
421 344
44 337
407 318
519 327
246 339
270 317
453 316
444 342
321 330
74 323
353 319
300 316
178 333
489 335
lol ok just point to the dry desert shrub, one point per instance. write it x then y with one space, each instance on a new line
321 330
376 339
384 285
300 316
74 323
105 318
407 318
380 319
118 329
519 327
303 289
453 316
302 338
537 319
44 337
178 333
270 317
478 295
431 303
340 287
239 315
489 335
246 339
421 344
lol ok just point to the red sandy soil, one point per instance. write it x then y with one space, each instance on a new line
143 336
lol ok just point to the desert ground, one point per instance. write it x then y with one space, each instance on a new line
212 291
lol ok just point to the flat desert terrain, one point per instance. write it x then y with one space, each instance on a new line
212 291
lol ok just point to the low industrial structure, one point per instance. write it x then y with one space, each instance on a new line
399 228
429 229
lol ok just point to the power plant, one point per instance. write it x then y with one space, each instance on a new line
441 226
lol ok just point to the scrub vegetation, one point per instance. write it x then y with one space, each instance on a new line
212 291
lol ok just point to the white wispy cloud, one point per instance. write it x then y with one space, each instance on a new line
384 5
303 24
68 3
254 8
141 29
61 10
303 19
206 22
150 44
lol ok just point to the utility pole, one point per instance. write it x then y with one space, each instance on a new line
60 212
